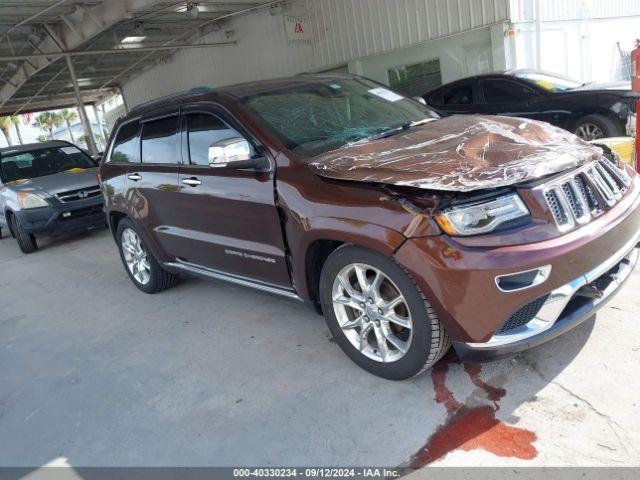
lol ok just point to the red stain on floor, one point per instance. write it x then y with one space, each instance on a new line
472 428
494 394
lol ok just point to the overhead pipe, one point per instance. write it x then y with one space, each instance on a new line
113 51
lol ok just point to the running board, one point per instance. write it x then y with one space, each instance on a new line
235 279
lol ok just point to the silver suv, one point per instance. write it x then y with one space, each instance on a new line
48 188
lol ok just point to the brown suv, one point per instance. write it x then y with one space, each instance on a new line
408 232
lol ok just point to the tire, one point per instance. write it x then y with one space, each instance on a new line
26 241
150 279
414 349
594 127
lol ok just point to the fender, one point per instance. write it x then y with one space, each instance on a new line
375 237
147 239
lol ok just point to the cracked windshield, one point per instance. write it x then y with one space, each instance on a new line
311 119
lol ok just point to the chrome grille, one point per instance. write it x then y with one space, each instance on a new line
79 194
577 201
558 211
621 174
587 194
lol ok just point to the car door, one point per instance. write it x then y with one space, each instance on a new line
152 183
3 207
229 216
123 152
509 97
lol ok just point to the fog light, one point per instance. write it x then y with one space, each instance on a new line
515 282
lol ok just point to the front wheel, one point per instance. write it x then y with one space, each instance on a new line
594 127
378 316
143 269
26 241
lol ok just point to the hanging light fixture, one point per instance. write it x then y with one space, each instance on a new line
192 10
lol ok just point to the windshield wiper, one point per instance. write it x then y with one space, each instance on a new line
401 128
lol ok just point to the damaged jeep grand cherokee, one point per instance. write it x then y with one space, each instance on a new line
408 232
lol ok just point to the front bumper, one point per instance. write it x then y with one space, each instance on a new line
60 218
460 280
564 309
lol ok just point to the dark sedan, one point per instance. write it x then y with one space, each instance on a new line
589 110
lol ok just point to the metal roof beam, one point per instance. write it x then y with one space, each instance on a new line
45 103
109 12
114 51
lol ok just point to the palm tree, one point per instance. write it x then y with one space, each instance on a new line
56 120
5 124
15 119
44 120
69 116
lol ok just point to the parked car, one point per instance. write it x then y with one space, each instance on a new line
48 188
591 110
406 231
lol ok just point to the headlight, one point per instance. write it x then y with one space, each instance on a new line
31 200
482 217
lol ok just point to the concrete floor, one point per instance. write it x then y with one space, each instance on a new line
94 372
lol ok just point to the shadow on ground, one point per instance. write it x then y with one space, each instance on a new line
211 374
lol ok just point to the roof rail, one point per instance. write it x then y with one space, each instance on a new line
173 96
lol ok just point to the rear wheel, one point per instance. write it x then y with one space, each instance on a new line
26 241
378 316
141 266
594 127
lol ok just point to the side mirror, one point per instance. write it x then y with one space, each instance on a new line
234 153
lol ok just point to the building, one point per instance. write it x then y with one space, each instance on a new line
412 45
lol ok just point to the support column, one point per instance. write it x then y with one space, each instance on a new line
88 134
124 100
103 132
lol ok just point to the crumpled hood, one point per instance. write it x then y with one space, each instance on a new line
460 153
60 182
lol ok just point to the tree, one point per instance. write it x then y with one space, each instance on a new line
15 119
5 124
44 121
69 116
56 120
42 138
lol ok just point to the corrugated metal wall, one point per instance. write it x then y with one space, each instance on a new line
554 10
343 30
346 30
262 52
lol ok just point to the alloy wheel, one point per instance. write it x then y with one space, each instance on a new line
135 256
589 131
372 312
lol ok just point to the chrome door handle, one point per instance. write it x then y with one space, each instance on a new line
192 182
134 176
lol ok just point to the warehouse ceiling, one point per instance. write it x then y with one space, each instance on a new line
109 42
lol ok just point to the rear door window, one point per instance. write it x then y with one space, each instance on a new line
160 141
460 95
505 91
125 145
